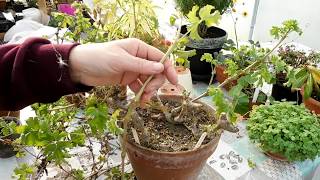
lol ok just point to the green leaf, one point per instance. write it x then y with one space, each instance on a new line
112 124
308 87
241 103
207 57
192 15
209 18
172 20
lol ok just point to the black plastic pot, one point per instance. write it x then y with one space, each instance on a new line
7 150
19 7
280 92
212 43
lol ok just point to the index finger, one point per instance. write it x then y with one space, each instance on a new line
143 50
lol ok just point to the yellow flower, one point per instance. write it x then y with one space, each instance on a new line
245 14
234 1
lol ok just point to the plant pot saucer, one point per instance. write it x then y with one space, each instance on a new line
276 156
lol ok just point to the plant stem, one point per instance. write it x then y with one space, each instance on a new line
235 30
213 69
61 107
253 65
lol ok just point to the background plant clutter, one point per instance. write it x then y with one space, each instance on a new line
241 156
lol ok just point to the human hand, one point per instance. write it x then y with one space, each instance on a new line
126 62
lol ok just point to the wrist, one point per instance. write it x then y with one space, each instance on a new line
74 66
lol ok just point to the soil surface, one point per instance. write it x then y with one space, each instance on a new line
168 137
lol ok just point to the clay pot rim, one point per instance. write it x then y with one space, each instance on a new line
212 141
313 101
182 70
276 156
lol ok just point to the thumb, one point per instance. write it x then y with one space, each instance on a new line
143 66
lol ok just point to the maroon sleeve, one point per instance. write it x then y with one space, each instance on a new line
30 73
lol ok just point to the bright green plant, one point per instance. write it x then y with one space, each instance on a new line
303 71
128 18
80 28
57 129
255 74
219 5
286 129
198 9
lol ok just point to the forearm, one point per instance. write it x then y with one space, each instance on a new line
31 73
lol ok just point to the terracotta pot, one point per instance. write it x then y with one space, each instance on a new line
184 78
10 113
221 76
276 156
156 165
310 103
170 89
6 149
3 4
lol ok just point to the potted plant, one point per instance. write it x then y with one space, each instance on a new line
8 135
294 58
180 132
286 131
209 39
152 133
18 6
306 78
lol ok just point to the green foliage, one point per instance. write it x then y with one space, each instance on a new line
222 106
219 5
181 57
23 171
7 128
287 27
207 57
97 114
287 129
56 130
196 17
250 66
306 76
129 18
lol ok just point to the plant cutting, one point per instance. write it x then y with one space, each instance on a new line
212 38
286 131
8 135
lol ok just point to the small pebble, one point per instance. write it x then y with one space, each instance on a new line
222 156
232 161
212 161
222 165
234 167
231 153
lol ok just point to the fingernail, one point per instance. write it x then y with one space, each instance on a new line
157 67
